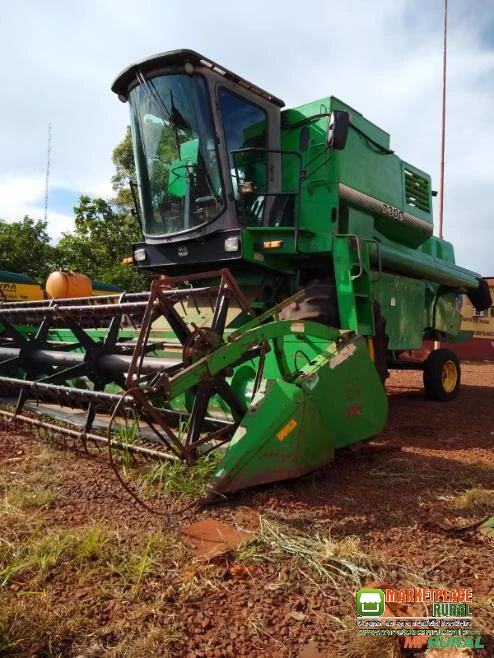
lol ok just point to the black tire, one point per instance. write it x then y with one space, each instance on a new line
381 342
319 305
442 375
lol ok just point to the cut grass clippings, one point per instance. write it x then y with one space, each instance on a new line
339 562
475 501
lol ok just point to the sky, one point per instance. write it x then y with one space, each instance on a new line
382 57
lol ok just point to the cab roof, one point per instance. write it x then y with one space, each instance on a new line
172 58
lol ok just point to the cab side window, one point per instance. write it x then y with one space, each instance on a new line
245 128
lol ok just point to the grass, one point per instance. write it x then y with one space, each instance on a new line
91 544
57 582
475 501
153 640
36 625
36 557
176 478
396 467
87 551
126 435
21 498
42 565
146 559
339 562
93 559
367 646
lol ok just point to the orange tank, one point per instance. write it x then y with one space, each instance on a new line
66 283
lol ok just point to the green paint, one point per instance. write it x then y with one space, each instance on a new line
291 428
400 300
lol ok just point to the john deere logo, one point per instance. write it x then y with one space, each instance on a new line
370 602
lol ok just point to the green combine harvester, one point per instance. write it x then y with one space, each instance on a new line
297 265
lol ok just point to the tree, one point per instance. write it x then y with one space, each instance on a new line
25 248
123 159
106 230
102 238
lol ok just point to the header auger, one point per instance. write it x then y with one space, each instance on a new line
295 265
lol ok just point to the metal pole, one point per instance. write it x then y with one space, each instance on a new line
443 123
437 344
79 434
47 181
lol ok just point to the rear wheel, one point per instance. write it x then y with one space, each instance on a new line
442 375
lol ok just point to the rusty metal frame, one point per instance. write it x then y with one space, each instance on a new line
165 292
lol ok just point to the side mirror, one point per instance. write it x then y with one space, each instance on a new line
337 130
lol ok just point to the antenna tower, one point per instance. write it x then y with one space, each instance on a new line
48 162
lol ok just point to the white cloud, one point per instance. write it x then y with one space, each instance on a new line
21 196
383 58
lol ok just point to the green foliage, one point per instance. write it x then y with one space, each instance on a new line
106 230
104 234
102 237
123 159
177 478
25 248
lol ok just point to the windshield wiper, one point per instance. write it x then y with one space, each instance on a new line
150 87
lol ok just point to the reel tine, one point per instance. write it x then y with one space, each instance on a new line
195 304
198 414
221 312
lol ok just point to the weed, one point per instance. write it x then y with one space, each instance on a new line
177 478
126 435
21 498
475 501
47 629
37 554
153 640
91 544
46 552
150 557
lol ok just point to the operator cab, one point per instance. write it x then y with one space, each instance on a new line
207 152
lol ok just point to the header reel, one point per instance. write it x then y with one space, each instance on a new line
273 397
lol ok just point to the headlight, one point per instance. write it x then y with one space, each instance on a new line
139 255
232 244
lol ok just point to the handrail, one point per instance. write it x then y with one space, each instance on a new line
251 149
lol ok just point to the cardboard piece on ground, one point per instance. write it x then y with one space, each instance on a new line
211 538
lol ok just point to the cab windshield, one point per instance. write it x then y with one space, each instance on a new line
176 157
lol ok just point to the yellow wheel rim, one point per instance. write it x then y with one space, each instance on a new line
449 376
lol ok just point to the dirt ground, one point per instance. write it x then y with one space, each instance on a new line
85 572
